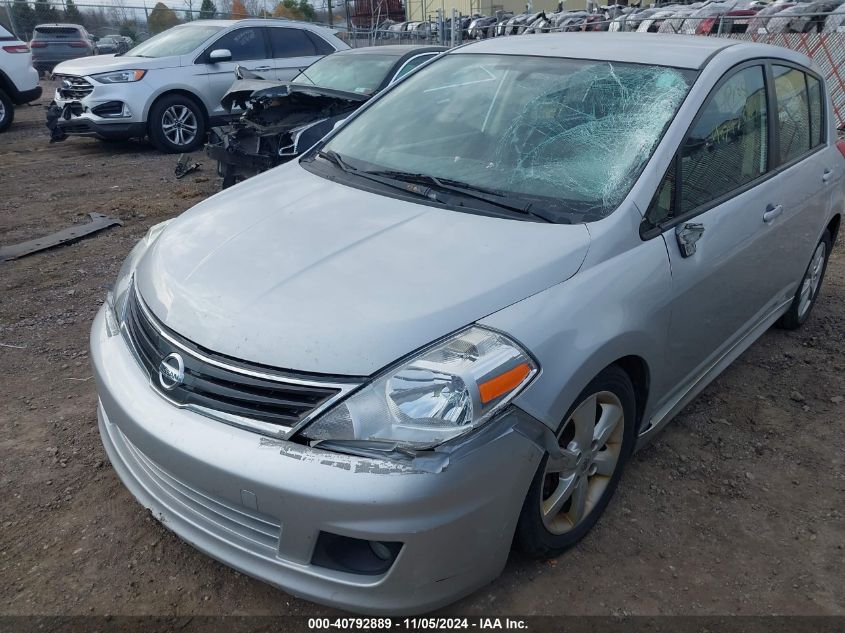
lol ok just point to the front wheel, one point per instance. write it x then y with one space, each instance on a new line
567 496
809 288
176 124
7 111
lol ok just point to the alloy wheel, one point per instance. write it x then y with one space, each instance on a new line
2 111
179 125
591 440
812 278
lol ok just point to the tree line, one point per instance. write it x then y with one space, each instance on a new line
23 16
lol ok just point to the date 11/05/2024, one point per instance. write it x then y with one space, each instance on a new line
422 623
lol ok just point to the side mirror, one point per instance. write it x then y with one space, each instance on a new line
220 55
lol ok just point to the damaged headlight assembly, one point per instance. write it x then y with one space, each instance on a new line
444 391
119 76
116 297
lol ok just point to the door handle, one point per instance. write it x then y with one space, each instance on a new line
260 68
826 175
771 212
687 235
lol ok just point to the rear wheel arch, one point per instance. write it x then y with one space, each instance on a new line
7 86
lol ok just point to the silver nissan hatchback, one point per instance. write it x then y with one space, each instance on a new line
362 376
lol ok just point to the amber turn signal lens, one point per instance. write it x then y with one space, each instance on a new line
503 383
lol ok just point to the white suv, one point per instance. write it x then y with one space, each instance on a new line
18 79
169 87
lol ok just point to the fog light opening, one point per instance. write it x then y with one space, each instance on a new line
353 555
380 550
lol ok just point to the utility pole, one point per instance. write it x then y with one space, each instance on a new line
329 5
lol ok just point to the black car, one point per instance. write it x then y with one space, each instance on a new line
280 120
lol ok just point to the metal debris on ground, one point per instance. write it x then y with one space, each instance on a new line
183 167
65 236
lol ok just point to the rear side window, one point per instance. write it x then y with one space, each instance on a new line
728 144
290 43
244 44
793 113
817 123
322 46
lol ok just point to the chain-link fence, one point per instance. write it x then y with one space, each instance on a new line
821 36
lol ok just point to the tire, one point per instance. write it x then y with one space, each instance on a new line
802 306
7 111
184 113
537 537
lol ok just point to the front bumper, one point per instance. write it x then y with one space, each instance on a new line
259 504
78 117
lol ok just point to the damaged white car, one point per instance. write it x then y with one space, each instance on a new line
363 375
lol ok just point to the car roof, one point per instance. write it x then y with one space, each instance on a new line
394 50
262 22
681 51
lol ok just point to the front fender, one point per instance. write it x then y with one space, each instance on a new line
615 308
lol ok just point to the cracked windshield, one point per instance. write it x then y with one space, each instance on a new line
566 136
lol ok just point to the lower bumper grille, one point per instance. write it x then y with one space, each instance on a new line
241 523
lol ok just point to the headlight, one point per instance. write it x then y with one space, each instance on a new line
120 76
444 392
118 295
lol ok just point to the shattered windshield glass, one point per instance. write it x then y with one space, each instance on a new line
570 136
351 73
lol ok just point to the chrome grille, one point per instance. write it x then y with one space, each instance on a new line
71 87
261 399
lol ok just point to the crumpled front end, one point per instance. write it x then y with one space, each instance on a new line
84 108
279 122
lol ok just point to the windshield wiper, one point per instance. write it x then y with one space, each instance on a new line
490 196
431 184
335 158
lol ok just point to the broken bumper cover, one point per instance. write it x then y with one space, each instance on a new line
73 118
260 505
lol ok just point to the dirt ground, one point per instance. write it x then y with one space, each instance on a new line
738 508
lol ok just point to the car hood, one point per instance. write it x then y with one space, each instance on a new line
298 272
105 63
290 96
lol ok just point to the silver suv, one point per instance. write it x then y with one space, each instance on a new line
169 87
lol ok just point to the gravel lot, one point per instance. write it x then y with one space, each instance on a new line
738 508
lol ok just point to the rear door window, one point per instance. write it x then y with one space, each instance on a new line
727 146
290 43
793 112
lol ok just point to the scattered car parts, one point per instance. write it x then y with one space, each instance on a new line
65 236
184 166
